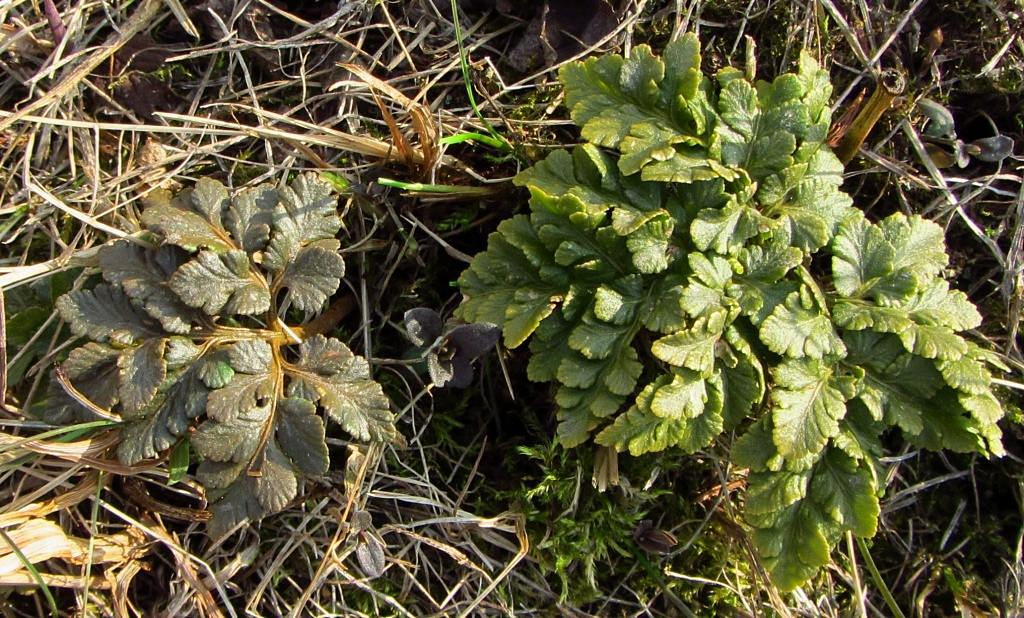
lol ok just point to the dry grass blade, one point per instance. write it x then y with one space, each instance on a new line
422 122
64 501
123 606
524 548
253 91
73 582
3 352
319 136
182 16
90 451
91 221
141 19
361 461
954 203
204 600
65 383
12 277
136 491
41 539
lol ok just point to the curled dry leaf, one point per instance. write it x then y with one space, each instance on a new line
39 540
992 149
941 123
653 540
560 29
369 548
451 348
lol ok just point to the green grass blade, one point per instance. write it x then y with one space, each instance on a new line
93 517
473 136
64 434
464 64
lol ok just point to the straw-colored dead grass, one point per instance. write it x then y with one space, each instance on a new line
249 91
141 95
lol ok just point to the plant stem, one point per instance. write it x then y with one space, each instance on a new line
420 187
328 319
877 577
93 531
890 84
3 355
858 589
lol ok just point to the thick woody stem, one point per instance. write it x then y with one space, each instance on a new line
327 320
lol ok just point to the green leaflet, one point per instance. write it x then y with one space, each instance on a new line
235 439
240 493
637 208
895 386
699 243
515 284
305 213
314 275
143 274
934 304
105 313
862 259
329 373
192 219
798 328
215 370
799 515
250 216
683 397
807 404
242 393
300 433
758 286
641 430
948 423
918 244
805 200
859 434
724 230
755 448
216 282
141 370
93 370
889 262
743 380
641 106
594 389
756 137
157 428
665 312
693 349
191 346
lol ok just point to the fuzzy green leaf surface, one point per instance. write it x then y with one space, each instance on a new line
694 266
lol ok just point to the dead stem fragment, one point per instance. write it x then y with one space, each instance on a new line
888 86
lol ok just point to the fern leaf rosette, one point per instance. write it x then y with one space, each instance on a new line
188 342
694 268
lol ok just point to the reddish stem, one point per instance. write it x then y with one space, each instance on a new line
56 22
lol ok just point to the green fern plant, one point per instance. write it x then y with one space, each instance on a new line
188 341
693 269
